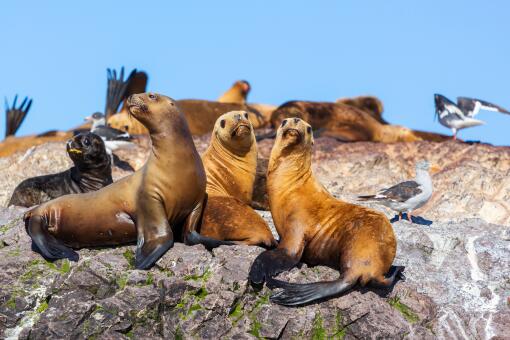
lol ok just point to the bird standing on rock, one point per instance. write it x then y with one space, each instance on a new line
406 196
461 115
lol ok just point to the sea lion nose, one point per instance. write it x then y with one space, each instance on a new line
238 117
296 120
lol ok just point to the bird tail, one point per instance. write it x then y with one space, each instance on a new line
295 294
116 90
366 198
14 116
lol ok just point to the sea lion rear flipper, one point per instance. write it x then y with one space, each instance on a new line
15 115
116 90
294 294
192 237
45 243
155 235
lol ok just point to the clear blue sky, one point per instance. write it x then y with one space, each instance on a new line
401 51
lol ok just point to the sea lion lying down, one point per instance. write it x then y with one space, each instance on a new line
91 171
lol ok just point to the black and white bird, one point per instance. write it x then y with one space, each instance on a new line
113 138
406 196
461 115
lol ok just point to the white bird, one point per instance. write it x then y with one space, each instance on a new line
406 196
460 116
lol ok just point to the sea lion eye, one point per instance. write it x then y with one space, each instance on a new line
222 123
309 129
152 96
86 142
284 122
246 115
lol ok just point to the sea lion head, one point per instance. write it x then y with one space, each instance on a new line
234 131
293 134
87 150
289 109
243 86
152 110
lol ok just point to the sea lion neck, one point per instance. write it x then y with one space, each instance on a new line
232 167
288 172
174 130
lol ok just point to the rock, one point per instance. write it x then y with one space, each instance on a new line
457 268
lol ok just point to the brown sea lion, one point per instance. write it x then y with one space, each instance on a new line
237 94
202 114
318 229
370 104
164 197
230 163
91 171
347 123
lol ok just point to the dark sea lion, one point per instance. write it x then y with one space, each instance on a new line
164 197
91 172
348 123
318 229
230 163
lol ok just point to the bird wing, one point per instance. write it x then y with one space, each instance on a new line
400 192
116 90
471 106
445 104
14 116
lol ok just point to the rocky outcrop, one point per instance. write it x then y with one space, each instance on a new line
457 268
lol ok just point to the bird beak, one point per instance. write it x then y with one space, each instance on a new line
434 168
88 119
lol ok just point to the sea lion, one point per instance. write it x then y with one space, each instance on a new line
230 163
318 229
164 197
369 104
91 172
237 94
348 123
202 114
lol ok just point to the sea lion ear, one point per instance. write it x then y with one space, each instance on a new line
311 134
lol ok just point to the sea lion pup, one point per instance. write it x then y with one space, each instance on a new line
347 123
91 172
165 196
230 163
318 229
369 104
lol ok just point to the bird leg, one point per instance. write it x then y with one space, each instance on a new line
399 215
409 217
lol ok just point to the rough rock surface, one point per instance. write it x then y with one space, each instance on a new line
457 268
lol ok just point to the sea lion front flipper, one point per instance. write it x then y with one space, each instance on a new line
155 235
270 263
45 243
192 237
